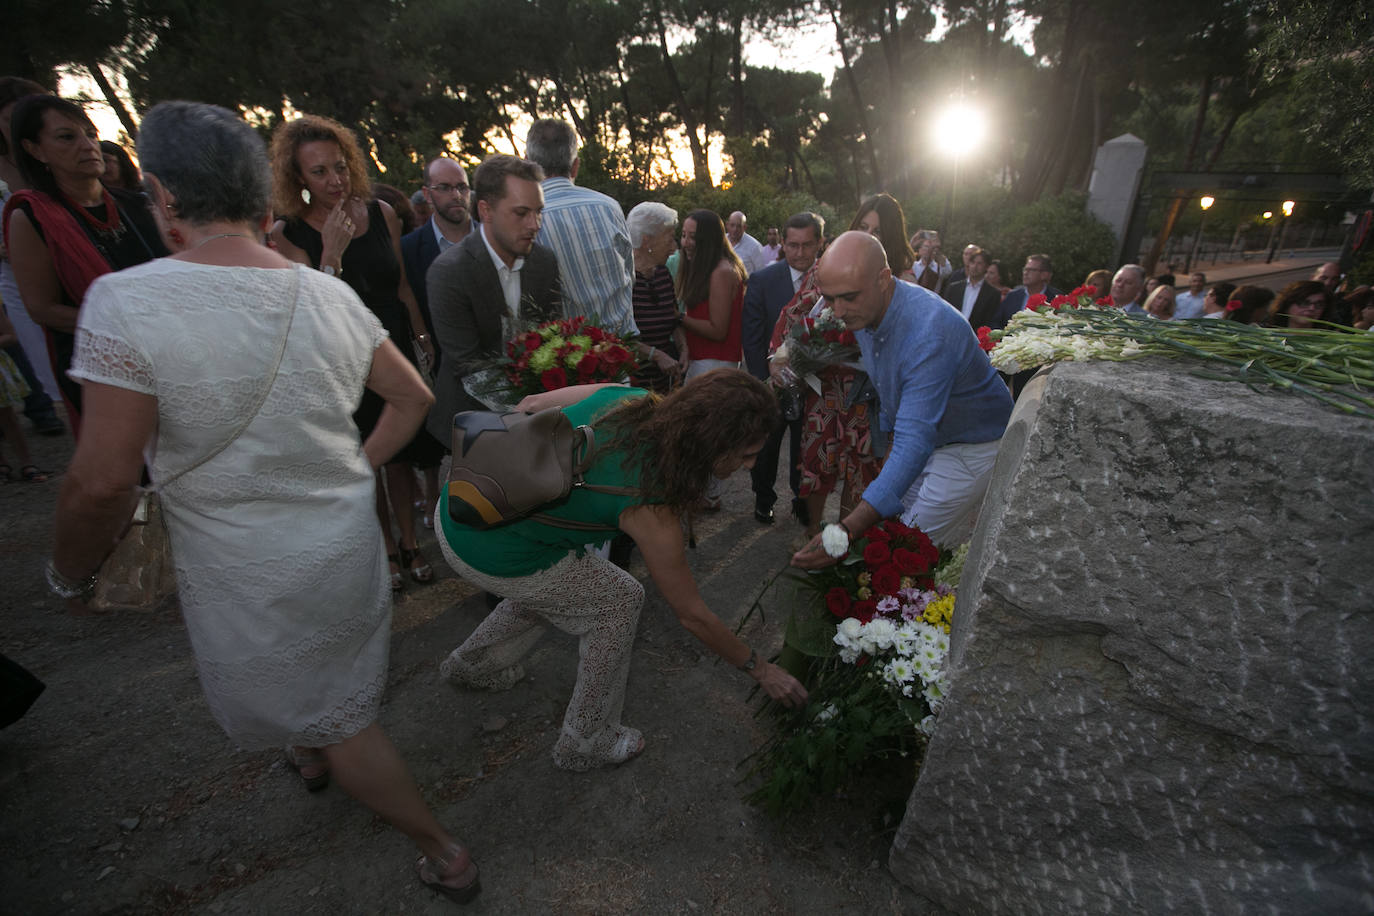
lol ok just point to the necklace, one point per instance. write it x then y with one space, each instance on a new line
222 235
111 220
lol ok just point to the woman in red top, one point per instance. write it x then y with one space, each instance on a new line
710 283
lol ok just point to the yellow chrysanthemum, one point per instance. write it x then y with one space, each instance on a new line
940 612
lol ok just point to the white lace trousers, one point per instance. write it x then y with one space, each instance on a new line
586 596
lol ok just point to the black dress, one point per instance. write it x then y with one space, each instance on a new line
370 267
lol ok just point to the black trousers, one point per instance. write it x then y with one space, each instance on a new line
765 472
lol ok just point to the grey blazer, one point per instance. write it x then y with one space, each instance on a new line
466 303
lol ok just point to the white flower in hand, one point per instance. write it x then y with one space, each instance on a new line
835 540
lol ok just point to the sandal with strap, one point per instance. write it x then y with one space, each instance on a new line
31 474
448 878
312 766
580 755
422 573
398 581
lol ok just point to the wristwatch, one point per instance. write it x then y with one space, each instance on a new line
753 660
329 269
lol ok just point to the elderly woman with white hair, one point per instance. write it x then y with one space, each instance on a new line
663 350
239 372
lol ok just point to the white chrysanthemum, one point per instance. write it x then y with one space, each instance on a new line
898 671
905 642
835 540
849 656
927 726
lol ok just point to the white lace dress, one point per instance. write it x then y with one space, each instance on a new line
279 560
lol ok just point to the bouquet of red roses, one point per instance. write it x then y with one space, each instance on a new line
817 341
563 352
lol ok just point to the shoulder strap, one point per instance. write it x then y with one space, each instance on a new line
266 389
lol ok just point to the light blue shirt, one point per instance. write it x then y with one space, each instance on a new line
587 231
1186 305
935 387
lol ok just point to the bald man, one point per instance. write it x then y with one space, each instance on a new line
939 397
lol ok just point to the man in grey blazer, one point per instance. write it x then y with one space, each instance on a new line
488 286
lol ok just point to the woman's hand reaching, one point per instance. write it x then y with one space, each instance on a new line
780 685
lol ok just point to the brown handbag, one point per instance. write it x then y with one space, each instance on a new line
507 465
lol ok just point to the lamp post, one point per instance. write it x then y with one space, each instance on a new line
1206 204
1276 235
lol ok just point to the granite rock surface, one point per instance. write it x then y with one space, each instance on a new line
1162 691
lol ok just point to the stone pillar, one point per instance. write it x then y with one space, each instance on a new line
1162 660
1115 183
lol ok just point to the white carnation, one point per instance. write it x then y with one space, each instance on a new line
835 540
881 632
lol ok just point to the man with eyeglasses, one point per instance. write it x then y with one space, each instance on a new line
446 190
1035 281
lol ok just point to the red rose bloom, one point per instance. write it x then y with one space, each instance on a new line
876 534
837 602
613 357
887 580
848 339
863 610
532 341
910 562
587 366
831 336
876 553
1036 301
553 379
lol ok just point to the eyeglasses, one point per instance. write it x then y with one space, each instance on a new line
449 188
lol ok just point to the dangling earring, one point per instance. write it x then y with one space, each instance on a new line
305 196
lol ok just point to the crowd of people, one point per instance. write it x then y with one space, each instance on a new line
279 346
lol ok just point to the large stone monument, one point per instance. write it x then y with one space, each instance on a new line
1115 185
1162 660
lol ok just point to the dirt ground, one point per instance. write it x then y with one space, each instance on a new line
121 795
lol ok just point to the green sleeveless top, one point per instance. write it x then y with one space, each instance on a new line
526 547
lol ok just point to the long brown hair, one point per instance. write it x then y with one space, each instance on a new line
674 442
891 230
694 276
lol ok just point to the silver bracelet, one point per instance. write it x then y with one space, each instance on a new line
66 588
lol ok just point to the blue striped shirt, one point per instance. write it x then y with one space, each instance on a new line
586 230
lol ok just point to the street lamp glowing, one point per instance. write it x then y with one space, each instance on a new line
1288 208
1268 214
1207 202
959 130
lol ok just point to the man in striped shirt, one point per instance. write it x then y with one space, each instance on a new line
586 230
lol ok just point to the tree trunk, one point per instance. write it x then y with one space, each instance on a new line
860 110
737 69
701 166
113 99
1049 145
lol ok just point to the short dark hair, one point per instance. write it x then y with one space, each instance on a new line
27 124
553 144
12 89
977 251
489 181
806 220
1044 260
208 159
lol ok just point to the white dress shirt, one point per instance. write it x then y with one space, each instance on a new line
509 276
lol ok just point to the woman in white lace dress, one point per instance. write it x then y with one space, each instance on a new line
240 371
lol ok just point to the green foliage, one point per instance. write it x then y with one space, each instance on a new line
757 198
1076 241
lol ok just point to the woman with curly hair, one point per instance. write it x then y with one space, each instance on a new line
664 452
329 221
